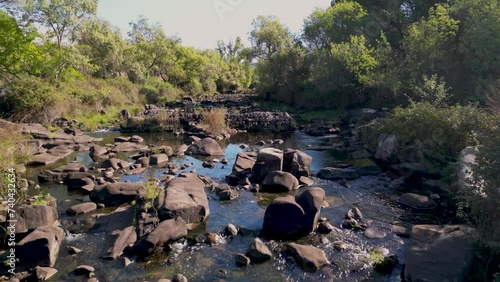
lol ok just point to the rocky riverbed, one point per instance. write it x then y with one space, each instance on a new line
307 205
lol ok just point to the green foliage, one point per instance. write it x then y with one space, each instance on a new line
152 192
42 199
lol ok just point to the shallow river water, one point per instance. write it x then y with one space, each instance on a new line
216 263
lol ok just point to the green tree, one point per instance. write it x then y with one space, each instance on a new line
103 44
18 52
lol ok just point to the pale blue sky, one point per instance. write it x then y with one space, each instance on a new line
200 23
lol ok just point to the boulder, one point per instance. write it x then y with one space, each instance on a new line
416 201
31 217
332 173
164 149
115 164
387 147
179 278
279 181
113 194
243 163
309 258
181 150
120 232
297 163
83 270
129 147
205 147
241 260
81 208
159 159
166 231
40 247
97 151
185 197
83 185
291 218
258 252
439 253
268 159
228 195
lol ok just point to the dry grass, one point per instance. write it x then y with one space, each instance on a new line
214 120
493 99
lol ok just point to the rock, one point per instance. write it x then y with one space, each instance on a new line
205 147
121 139
44 273
179 278
97 151
354 213
331 173
73 250
83 270
241 260
136 139
213 239
297 163
401 231
340 246
258 251
350 224
243 163
208 164
164 149
268 159
185 197
417 201
228 195
79 184
309 258
164 280
306 181
260 143
81 208
289 217
439 253
325 228
117 241
181 150
387 265
231 229
115 164
129 147
113 194
166 231
40 247
279 181
386 148
158 159
380 250
374 233
31 217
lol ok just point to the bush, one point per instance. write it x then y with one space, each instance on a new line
437 131
30 99
156 91
214 120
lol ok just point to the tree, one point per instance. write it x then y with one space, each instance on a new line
18 52
103 44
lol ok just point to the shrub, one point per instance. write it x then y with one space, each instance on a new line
214 120
31 99
156 91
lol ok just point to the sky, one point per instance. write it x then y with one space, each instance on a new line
200 23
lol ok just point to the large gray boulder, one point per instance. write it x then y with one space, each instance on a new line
243 163
40 247
31 217
114 194
310 258
115 164
439 253
120 232
205 147
297 163
166 231
184 197
258 252
279 181
293 217
268 159
387 147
